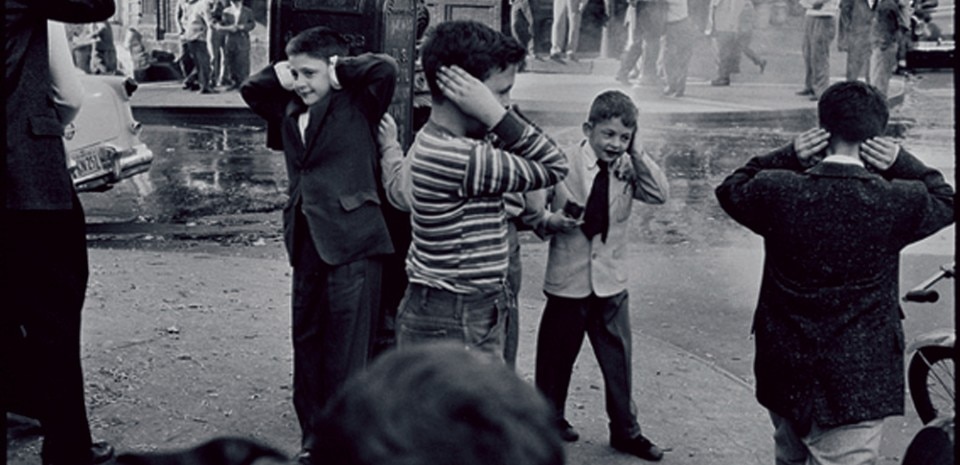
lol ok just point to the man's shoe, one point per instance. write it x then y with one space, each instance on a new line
806 93
558 58
719 82
208 91
762 65
638 446
572 57
567 433
622 79
304 458
100 452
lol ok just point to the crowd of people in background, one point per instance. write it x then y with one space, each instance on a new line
660 35
215 43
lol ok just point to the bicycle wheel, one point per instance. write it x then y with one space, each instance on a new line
931 377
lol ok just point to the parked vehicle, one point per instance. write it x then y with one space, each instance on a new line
932 41
103 142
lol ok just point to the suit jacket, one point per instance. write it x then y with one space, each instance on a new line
35 173
334 175
829 340
577 266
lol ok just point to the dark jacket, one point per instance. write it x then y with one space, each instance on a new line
829 340
34 174
334 177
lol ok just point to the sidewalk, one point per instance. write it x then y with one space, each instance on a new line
554 96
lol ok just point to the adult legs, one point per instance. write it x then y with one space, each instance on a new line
858 58
514 276
608 326
678 48
558 32
216 41
824 30
652 20
634 49
559 338
201 64
333 311
44 281
883 63
728 56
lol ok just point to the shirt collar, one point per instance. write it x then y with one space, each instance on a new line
843 159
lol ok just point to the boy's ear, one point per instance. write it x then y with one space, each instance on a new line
587 127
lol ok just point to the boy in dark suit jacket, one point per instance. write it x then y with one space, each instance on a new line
329 106
835 209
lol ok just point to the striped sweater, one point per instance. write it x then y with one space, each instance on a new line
456 204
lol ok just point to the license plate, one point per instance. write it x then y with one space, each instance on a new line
87 162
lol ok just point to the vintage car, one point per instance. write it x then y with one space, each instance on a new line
932 41
103 141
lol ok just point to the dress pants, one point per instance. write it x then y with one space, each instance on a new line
44 269
854 444
236 59
606 321
197 49
645 35
565 34
514 278
883 63
334 308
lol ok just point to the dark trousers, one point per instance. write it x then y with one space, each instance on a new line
514 278
333 316
606 320
236 59
44 280
200 74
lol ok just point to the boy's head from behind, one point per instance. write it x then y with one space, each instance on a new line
475 47
437 404
611 125
309 55
853 111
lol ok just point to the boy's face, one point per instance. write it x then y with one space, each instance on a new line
500 84
312 77
609 138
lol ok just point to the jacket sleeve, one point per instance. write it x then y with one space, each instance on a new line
935 200
264 94
373 77
738 194
650 184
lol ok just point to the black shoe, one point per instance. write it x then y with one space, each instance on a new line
557 58
208 91
304 458
100 452
567 433
623 79
806 93
719 82
638 446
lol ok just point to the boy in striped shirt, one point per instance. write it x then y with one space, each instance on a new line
457 262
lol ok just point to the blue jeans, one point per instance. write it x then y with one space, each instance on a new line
478 320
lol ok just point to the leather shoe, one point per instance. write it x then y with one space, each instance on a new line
805 93
100 452
567 433
638 446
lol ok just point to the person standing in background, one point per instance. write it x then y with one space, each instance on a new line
236 24
194 19
43 249
216 41
819 28
104 57
646 26
523 31
855 23
885 42
677 47
565 34
730 23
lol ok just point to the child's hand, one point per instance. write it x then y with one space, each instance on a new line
879 152
387 131
809 146
559 222
471 95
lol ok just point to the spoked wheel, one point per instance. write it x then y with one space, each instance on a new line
932 378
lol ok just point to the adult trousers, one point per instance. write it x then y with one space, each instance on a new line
44 269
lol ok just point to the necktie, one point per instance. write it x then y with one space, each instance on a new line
596 216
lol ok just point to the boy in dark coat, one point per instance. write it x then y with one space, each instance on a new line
329 107
835 209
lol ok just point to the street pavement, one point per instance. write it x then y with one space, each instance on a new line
698 411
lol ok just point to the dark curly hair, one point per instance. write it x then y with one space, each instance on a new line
475 47
853 111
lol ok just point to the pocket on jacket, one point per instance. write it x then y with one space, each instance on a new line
45 126
352 202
